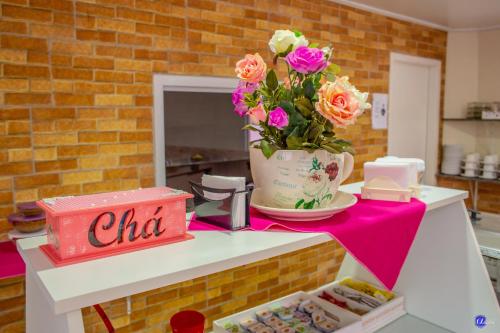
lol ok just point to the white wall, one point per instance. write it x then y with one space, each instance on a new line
472 74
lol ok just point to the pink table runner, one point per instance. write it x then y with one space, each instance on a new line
379 234
12 263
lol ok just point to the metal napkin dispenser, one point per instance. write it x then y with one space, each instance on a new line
220 207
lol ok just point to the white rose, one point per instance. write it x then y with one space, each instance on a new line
282 39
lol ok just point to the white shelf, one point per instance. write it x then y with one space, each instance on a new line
411 324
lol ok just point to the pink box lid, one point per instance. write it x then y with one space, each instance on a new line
68 205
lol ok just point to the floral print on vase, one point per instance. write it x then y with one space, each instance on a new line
316 187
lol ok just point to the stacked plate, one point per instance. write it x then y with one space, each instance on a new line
489 167
470 167
452 155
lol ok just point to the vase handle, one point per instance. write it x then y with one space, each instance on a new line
348 166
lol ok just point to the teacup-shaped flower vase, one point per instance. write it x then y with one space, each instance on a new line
299 179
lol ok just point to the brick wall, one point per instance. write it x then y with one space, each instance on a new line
216 295
75 79
488 193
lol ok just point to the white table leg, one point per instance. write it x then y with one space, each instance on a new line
444 279
40 316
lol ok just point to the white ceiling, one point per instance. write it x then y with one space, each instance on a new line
444 14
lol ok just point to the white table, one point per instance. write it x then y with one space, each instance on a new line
444 279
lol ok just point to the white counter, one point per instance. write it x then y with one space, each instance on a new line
64 290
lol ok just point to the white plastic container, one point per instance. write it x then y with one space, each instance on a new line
349 322
375 318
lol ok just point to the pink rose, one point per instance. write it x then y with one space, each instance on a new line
252 68
238 97
307 60
257 114
278 118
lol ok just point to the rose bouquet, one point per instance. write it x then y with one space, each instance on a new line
300 112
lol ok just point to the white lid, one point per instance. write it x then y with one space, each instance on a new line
420 164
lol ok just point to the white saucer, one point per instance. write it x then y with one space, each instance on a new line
341 202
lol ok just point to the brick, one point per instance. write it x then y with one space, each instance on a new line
52 113
13 85
202 4
170 20
134 15
134 89
81 177
91 87
118 52
25 196
65 19
26 98
99 162
150 55
120 149
113 76
136 159
54 191
113 100
132 65
54 139
26 182
99 36
64 125
14 114
73 99
71 47
59 165
35 57
120 173
133 39
13 56
54 31
13 26
26 71
29 14
59 5
143 113
97 137
16 168
41 85
18 127
96 113
71 73
115 25
17 155
92 62
76 151
151 29
94 10
45 154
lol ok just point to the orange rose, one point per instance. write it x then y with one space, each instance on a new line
252 68
340 102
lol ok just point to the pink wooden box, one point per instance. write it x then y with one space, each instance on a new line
99 225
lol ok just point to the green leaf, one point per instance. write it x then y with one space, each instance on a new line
284 53
314 131
310 204
297 33
294 140
333 69
305 106
308 86
332 148
295 119
313 45
272 80
250 128
299 203
267 149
